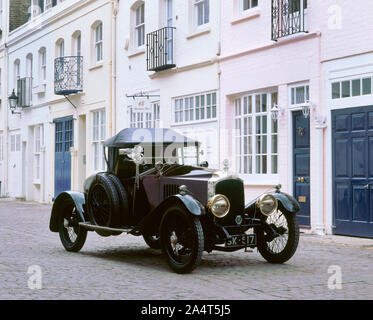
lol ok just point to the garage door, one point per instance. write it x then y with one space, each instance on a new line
353 171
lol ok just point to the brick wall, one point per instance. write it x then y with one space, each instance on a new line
18 13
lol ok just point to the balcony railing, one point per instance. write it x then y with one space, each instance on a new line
160 49
288 17
68 75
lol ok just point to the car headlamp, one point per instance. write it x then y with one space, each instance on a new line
219 205
267 204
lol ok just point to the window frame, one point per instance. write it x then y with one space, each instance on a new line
192 105
42 65
242 5
98 140
293 89
145 119
241 133
201 5
139 28
38 147
98 43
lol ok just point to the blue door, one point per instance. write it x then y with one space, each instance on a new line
353 171
62 163
301 166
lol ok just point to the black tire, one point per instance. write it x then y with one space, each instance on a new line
282 248
152 241
103 202
72 236
124 211
184 231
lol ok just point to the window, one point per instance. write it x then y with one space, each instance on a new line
98 42
60 48
29 65
300 94
17 74
42 65
146 118
248 4
98 138
38 143
15 142
202 12
78 44
256 134
140 25
352 88
200 107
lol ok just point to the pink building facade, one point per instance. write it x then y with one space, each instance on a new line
296 106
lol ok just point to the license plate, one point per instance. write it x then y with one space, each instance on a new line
242 240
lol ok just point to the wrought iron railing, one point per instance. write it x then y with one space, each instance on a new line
160 49
288 17
68 75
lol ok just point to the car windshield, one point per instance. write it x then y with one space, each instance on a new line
179 154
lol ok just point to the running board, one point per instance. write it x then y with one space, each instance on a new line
100 228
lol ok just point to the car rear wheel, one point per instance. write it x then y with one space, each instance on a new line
182 239
72 235
281 248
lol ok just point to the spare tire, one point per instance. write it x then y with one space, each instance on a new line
124 211
103 202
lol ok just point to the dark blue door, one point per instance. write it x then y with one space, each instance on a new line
301 165
352 150
62 164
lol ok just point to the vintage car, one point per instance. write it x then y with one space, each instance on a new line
155 187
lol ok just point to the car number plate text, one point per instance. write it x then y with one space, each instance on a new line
241 240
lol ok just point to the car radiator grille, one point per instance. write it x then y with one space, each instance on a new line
233 189
169 190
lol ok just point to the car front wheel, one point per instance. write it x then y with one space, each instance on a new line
182 239
72 235
279 248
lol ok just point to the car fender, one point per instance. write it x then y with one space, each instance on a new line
152 221
79 201
288 202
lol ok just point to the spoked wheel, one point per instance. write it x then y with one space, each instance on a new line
182 239
72 236
103 202
152 241
281 248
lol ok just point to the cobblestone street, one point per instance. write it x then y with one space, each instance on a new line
124 267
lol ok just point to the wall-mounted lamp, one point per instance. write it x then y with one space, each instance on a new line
13 102
276 112
306 108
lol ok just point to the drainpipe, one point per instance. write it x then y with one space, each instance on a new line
113 68
320 125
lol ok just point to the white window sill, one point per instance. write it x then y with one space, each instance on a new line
136 52
194 122
96 66
204 29
37 182
246 15
264 180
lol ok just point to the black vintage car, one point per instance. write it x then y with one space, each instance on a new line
155 187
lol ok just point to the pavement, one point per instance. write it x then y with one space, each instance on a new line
34 265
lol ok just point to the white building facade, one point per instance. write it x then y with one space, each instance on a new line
60 67
167 71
